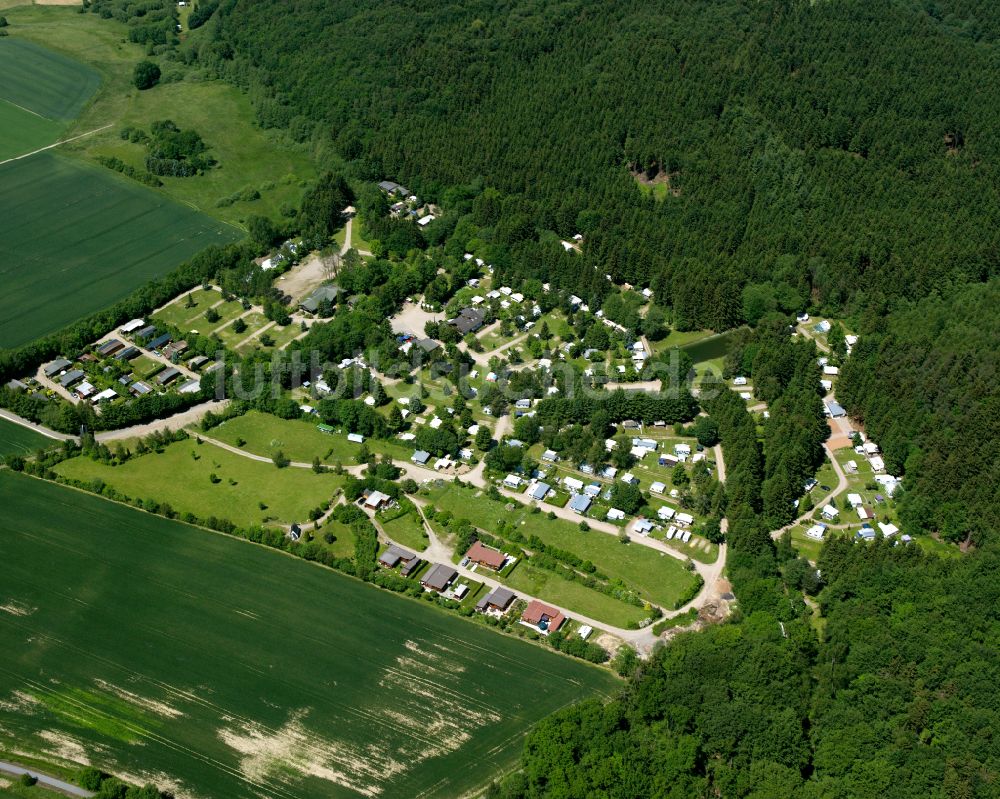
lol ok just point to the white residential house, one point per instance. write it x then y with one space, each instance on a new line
615 515
684 519
877 464
658 487
572 484
829 512
855 500
816 531
666 513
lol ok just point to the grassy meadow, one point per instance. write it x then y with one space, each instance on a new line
181 477
218 668
248 156
78 237
299 439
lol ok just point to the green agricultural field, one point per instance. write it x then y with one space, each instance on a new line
41 92
299 439
19 439
23 132
658 577
77 238
217 668
43 81
175 477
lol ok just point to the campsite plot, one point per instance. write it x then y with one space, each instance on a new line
77 238
218 668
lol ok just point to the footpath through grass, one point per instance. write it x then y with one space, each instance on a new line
218 668
181 477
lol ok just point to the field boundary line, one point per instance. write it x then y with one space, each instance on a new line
28 110
50 146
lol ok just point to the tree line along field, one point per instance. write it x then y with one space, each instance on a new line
77 238
218 668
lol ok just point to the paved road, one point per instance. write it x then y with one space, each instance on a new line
44 779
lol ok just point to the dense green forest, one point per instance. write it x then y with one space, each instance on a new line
924 382
842 152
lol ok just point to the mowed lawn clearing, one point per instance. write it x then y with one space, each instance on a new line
177 478
299 439
218 668
15 438
658 577
78 237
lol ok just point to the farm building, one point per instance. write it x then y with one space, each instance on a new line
438 577
498 600
389 187
486 556
545 617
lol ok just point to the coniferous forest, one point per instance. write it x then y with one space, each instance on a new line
839 155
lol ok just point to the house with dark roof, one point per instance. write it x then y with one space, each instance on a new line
159 341
469 320
498 601
438 577
486 556
168 375
323 293
128 354
54 368
74 376
397 556
109 348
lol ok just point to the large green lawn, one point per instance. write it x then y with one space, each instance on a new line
175 477
77 238
218 668
20 439
299 439
658 577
